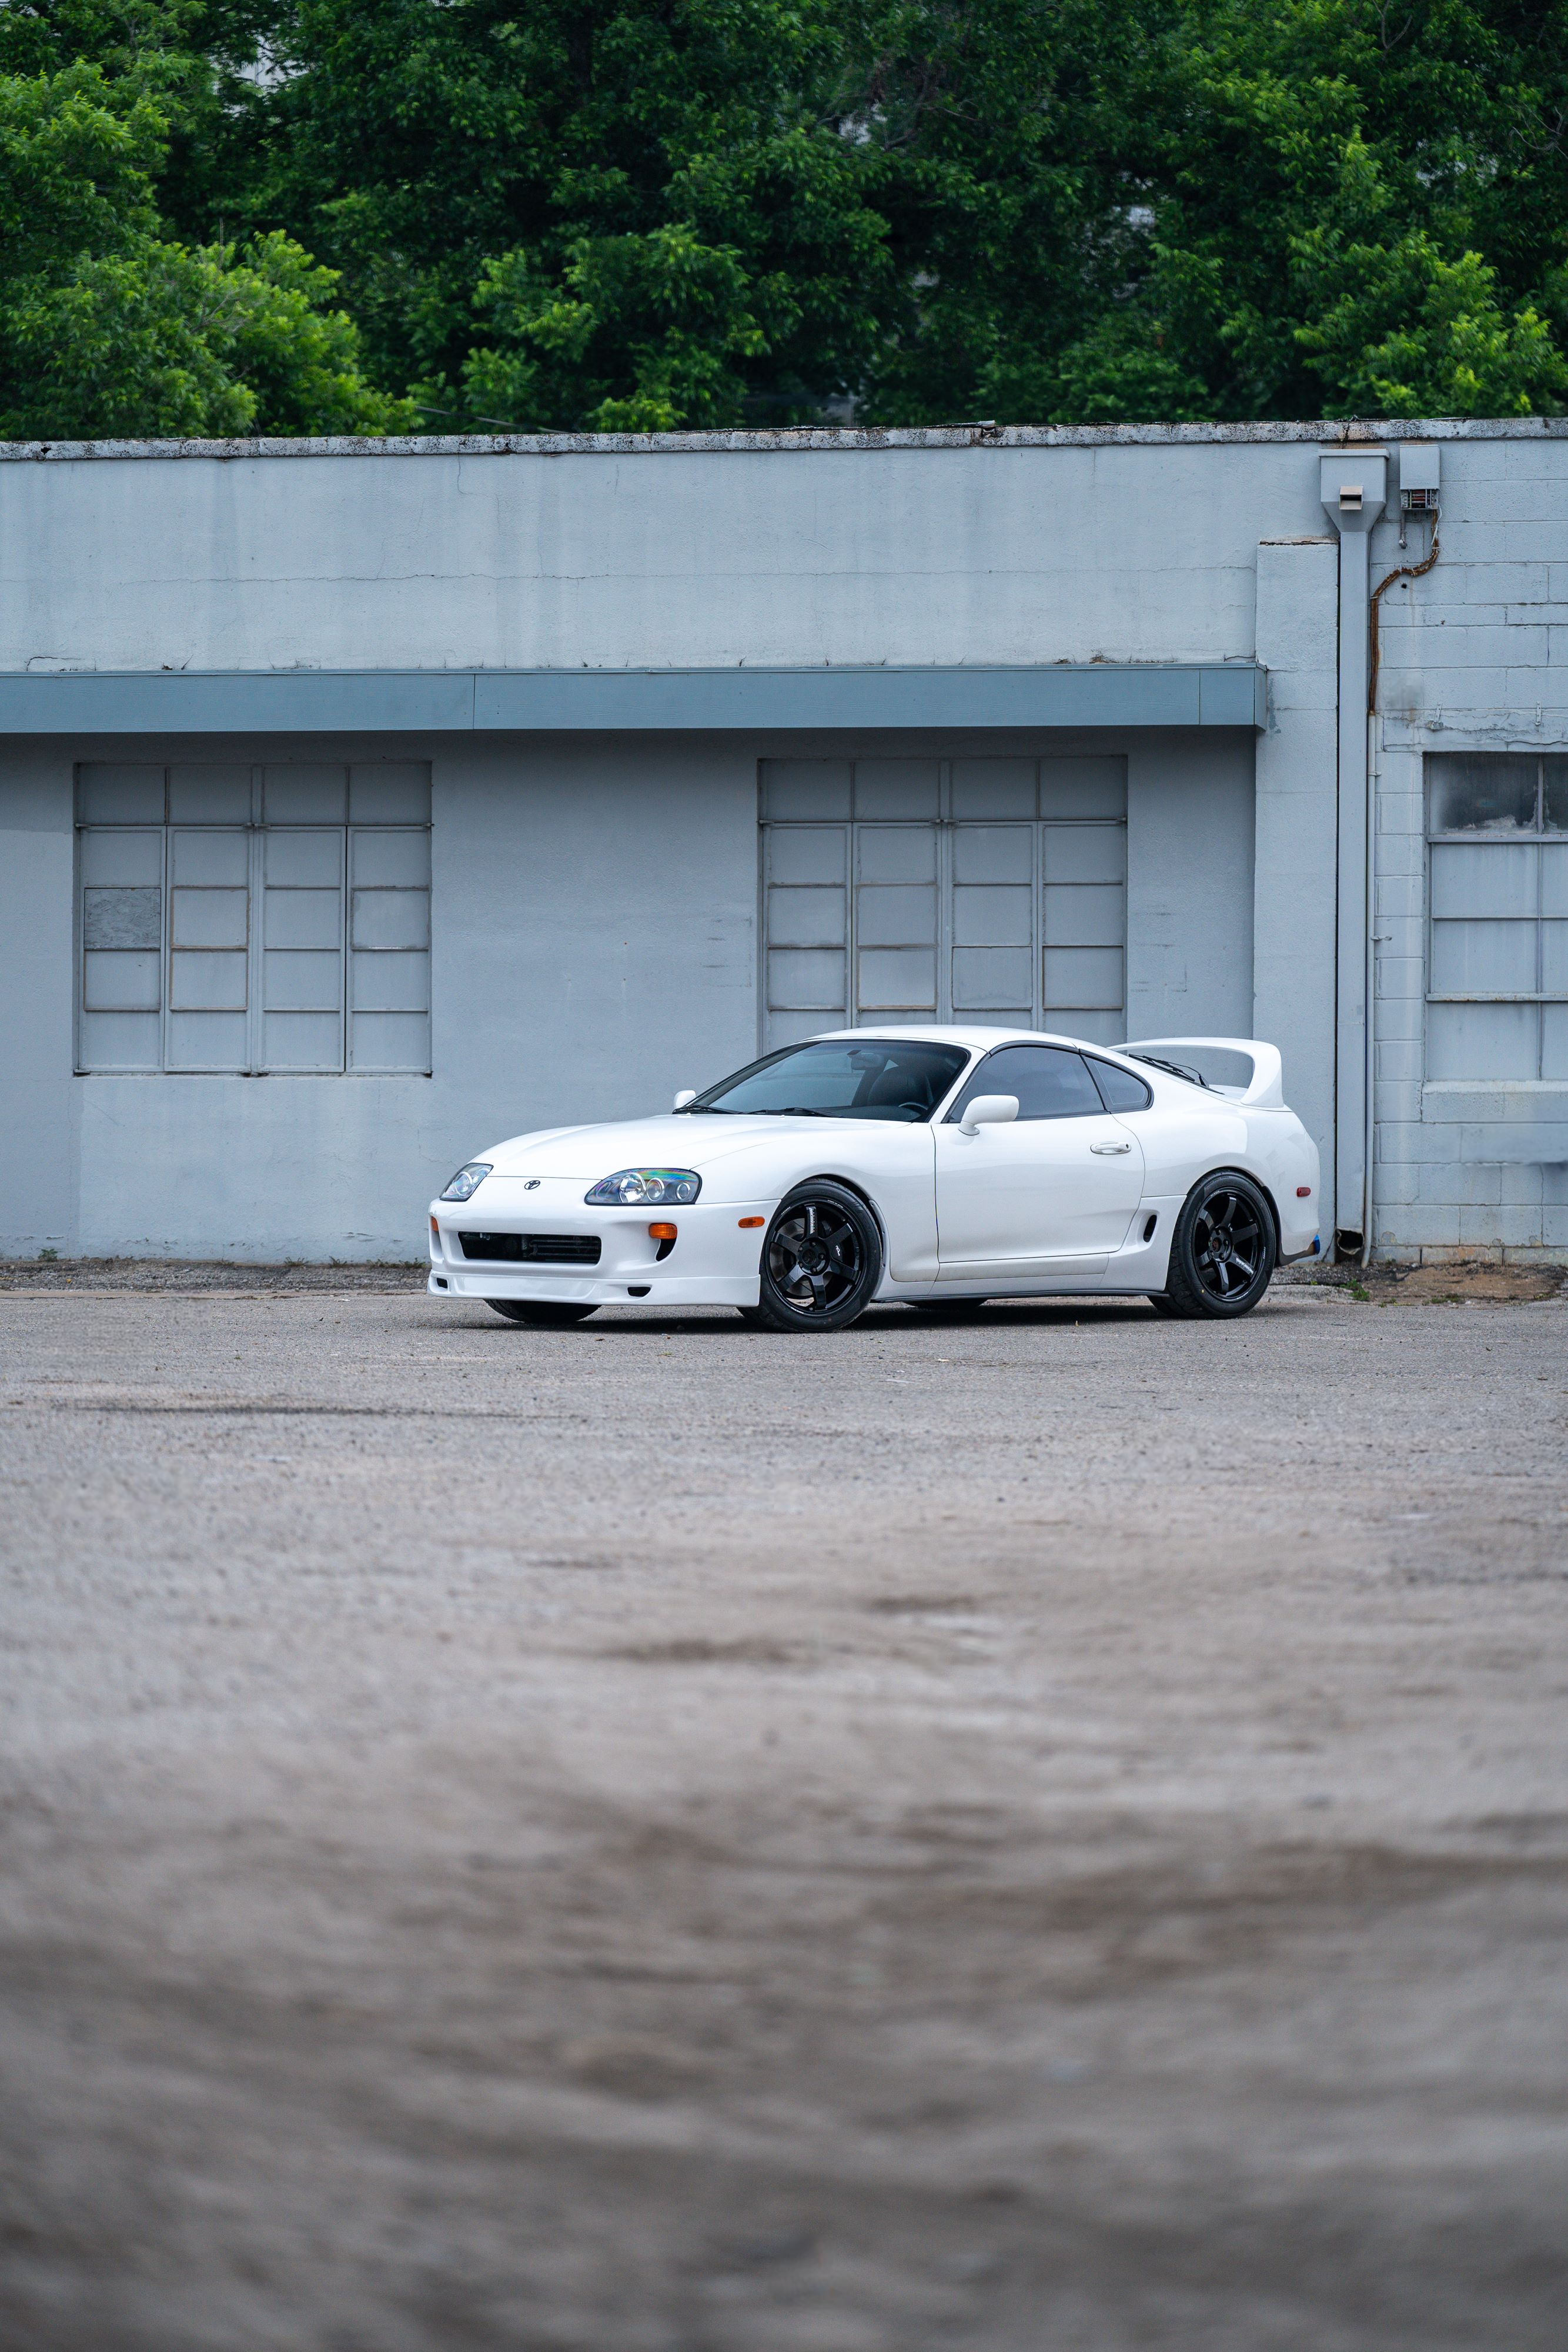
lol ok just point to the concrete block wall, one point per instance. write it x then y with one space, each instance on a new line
1474 658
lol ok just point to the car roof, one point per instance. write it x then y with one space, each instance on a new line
978 1040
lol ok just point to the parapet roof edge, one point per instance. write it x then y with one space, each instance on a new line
1338 432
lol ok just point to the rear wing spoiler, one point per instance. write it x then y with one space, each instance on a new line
1263 1090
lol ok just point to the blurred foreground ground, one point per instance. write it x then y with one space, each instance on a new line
1044 1835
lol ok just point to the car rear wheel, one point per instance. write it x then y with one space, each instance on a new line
822 1261
541 1311
1223 1250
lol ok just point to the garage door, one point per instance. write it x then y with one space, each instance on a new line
991 890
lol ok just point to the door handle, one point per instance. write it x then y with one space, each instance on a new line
1106 1147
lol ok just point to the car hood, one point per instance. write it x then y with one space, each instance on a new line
591 1152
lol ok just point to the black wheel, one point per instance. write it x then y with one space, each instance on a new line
955 1308
821 1262
541 1311
1223 1249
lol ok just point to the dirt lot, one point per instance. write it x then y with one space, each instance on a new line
1047 1836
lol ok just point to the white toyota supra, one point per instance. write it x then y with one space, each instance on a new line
936 1166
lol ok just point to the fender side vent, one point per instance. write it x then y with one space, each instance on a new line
1149 1224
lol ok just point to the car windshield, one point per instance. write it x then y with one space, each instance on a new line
897 1078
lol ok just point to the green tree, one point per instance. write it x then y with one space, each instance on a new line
110 327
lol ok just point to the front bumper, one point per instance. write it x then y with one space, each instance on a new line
713 1262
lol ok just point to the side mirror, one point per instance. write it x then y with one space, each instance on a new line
989 1111
687 1095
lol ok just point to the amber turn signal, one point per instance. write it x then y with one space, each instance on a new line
434 1231
663 1233
743 1221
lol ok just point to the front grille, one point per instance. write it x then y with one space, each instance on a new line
537 1249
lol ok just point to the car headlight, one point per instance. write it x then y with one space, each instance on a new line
466 1182
642 1188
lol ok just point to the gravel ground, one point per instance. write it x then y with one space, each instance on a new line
1046 1834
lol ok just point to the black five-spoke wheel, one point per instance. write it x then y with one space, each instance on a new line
1223 1250
822 1261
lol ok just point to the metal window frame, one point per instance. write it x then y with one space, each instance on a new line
254 949
1538 838
946 826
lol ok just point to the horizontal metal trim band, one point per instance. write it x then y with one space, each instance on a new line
174 702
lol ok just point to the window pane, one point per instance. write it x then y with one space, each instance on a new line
1119 1089
1049 1081
389 1041
390 860
208 1041
1553 877
1080 788
1088 915
120 1041
208 918
1554 958
203 794
392 983
1555 1042
993 788
1086 853
389 791
1483 959
1555 808
207 983
301 980
1083 978
1481 792
1481 1041
805 788
993 853
806 853
806 919
122 857
1499 879
987 977
897 853
898 979
214 858
120 984
303 919
122 918
302 1040
998 916
905 788
806 979
108 794
392 918
895 919
305 793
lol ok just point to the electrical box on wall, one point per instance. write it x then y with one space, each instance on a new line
1418 474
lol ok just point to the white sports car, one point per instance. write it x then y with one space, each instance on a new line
936 1166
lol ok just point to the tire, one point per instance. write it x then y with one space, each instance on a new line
822 1261
1162 1305
1223 1250
558 1311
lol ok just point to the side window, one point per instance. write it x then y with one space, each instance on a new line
1050 1081
1119 1089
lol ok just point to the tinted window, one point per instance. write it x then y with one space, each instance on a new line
1119 1089
1050 1081
889 1078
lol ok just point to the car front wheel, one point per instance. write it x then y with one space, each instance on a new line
541 1311
822 1261
1223 1250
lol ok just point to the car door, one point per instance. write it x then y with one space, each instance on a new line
1055 1190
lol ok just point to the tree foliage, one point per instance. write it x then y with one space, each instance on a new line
224 215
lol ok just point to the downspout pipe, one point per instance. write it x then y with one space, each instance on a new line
1353 486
